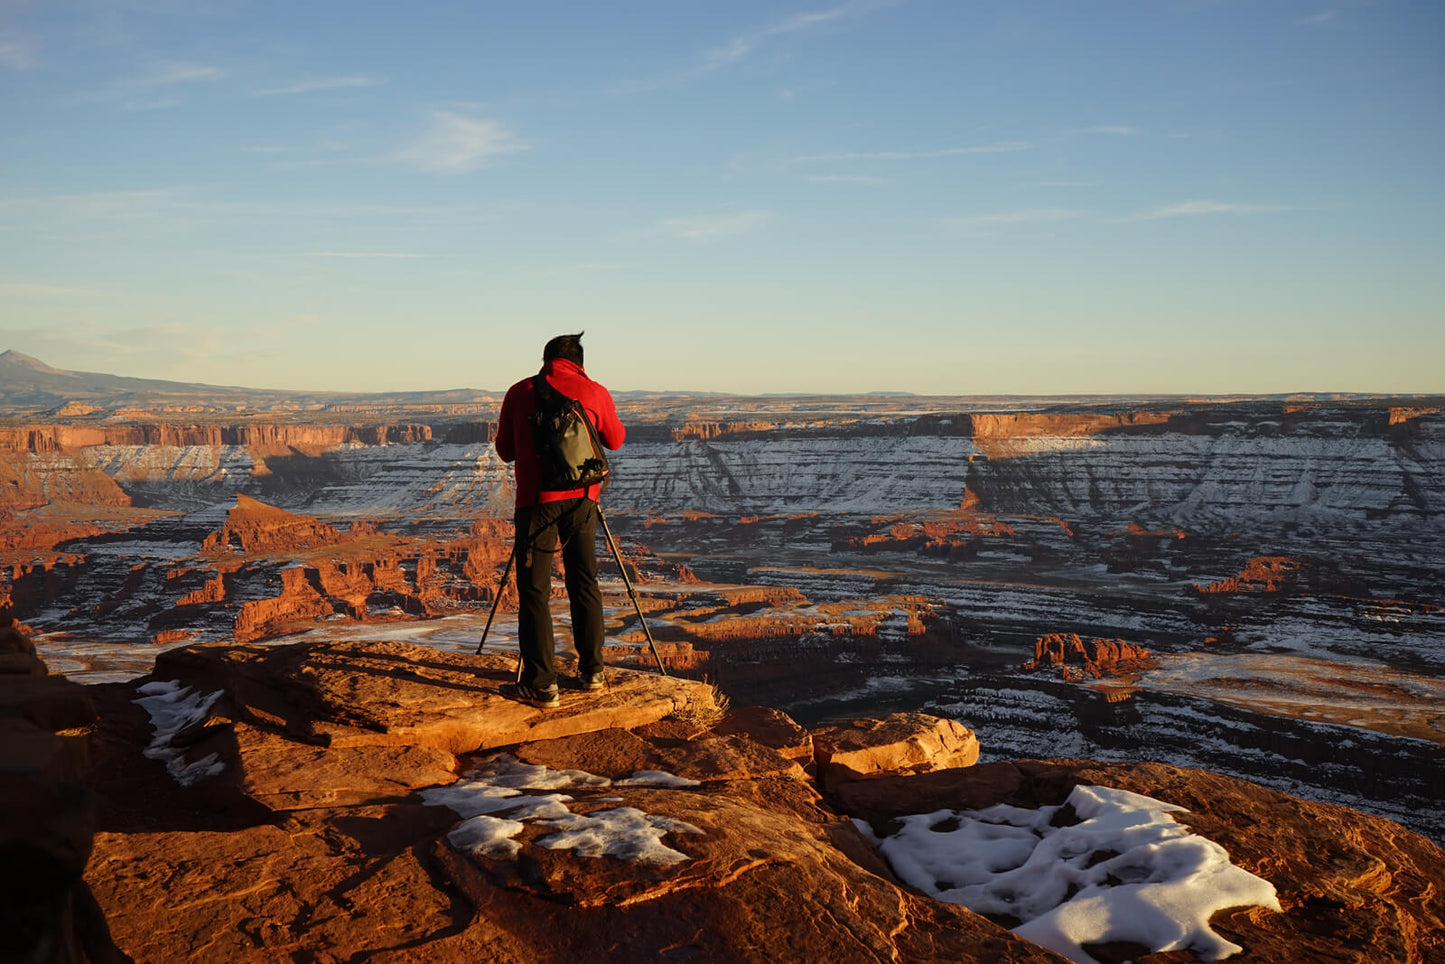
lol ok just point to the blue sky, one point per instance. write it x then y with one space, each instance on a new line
936 196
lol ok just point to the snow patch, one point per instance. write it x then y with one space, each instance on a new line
622 832
174 708
1126 872
625 833
656 778
487 837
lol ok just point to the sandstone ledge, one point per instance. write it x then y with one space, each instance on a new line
314 844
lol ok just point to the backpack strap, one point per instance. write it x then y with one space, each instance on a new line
541 387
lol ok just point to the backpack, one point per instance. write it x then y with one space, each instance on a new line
569 453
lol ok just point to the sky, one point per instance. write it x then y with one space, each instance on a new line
931 196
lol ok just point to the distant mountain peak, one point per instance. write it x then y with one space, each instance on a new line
11 357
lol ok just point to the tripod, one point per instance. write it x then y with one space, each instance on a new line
611 544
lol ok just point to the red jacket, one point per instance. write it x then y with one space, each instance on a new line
514 435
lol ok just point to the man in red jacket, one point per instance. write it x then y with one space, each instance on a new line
545 520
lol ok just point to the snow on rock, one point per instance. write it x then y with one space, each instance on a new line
656 778
782 474
174 708
625 833
1127 871
622 832
487 837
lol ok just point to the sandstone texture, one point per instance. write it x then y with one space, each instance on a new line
901 743
312 844
320 828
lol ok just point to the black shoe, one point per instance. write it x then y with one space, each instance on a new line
546 699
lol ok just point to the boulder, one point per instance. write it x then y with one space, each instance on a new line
900 743
771 728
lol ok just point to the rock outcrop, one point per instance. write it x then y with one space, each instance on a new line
254 527
1260 574
1077 658
324 820
902 743
47 814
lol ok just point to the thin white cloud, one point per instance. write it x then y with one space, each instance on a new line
90 346
846 179
712 227
168 212
405 255
1318 19
455 144
286 326
158 88
176 72
153 103
1002 147
16 52
96 206
320 84
1191 209
744 44
17 289
1004 218
580 267
1120 130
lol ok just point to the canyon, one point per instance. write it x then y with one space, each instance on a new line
1249 586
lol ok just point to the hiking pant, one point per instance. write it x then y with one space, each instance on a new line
572 523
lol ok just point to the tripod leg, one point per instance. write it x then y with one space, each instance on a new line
501 585
630 591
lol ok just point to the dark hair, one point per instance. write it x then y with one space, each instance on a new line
564 346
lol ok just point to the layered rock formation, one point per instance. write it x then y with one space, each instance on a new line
254 527
1200 467
321 818
1078 659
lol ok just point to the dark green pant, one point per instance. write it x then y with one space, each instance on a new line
541 529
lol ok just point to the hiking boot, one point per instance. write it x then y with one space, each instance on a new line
592 681
546 699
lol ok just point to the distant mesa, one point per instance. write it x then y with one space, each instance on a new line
74 409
